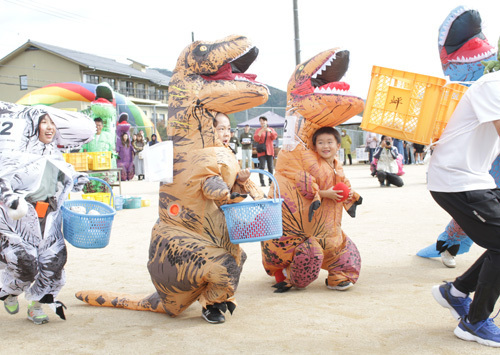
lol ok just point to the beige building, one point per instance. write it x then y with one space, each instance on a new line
35 65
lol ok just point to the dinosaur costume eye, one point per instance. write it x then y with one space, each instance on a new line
203 48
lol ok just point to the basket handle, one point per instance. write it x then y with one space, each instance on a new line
271 176
105 183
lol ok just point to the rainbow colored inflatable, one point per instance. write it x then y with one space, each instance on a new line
76 91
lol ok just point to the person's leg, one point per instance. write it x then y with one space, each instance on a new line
478 213
394 179
270 166
381 175
350 159
244 158
262 166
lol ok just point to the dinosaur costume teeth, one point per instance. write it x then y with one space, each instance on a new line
462 45
190 256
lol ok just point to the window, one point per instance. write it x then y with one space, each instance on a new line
141 91
160 95
110 81
129 88
151 93
23 82
90 79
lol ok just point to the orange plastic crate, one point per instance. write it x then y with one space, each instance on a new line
99 160
78 160
409 106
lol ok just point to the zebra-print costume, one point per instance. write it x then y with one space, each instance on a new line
33 260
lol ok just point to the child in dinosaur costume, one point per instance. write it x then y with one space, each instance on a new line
312 235
191 257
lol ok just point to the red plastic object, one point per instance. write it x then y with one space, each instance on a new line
345 191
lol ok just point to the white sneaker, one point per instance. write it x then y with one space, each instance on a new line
344 285
448 259
36 313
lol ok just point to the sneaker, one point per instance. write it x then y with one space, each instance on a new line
212 315
11 304
36 313
344 285
484 332
458 306
448 259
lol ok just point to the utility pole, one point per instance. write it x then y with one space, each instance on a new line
192 36
296 27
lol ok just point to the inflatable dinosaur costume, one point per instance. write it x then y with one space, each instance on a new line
190 256
312 235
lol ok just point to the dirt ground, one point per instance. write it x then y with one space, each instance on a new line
390 310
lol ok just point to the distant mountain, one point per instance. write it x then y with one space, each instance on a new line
276 102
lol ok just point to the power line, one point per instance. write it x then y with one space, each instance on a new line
47 9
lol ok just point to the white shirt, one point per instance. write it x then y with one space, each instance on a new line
470 142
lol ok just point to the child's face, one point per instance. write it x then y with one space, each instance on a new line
46 129
326 146
223 128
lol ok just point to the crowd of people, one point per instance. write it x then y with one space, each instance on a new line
127 148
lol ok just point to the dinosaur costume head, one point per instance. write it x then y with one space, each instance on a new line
316 93
210 77
462 45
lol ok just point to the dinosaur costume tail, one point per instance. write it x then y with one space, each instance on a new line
150 303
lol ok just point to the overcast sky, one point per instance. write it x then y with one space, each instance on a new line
395 34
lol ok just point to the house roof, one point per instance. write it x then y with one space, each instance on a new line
95 62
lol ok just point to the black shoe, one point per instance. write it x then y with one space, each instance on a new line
262 184
213 315
382 184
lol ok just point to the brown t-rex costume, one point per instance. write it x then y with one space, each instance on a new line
312 235
190 256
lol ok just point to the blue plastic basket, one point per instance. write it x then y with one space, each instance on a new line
255 221
88 231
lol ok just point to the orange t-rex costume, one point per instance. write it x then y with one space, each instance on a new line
190 256
312 235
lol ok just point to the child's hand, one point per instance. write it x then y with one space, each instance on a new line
335 195
243 175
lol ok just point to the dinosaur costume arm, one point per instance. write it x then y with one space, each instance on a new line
307 186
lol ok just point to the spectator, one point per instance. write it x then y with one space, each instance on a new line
346 145
126 158
234 143
153 140
138 146
264 136
387 167
246 140
371 143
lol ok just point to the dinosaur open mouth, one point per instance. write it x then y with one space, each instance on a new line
235 70
326 80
